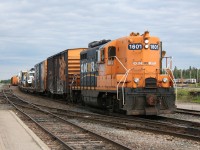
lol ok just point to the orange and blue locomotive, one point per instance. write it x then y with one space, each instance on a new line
128 74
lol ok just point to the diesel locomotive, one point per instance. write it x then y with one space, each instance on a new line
129 74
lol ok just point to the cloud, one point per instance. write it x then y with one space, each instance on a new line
33 30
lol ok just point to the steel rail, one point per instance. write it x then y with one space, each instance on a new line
120 146
52 135
150 125
188 111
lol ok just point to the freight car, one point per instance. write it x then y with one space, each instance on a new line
126 74
14 80
40 77
61 71
186 81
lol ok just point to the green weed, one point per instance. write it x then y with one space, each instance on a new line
188 95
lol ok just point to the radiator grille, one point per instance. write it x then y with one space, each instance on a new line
150 83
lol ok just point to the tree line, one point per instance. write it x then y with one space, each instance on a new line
191 72
5 81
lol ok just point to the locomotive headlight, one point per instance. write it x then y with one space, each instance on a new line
164 80
136 80
146 41
146 46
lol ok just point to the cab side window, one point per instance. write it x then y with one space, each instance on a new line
111 52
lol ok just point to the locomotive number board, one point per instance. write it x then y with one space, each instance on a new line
154 46
139 46
135 46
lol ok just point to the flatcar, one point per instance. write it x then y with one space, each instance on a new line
30 77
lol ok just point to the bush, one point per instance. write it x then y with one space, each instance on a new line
183 95
188 95
196 99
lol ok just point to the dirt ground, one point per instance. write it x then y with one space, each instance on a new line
192 106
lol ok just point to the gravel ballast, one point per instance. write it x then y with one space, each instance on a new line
134 139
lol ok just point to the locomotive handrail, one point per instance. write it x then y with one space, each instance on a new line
120 62
168 63
124 76
127 72
172 78
74 78
174 82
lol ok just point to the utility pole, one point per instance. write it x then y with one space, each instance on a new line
181 76
197 77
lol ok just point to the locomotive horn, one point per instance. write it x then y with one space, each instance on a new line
163 53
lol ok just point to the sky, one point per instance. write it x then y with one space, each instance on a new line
32 30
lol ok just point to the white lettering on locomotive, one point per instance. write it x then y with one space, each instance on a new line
85 67
82 68
92 67
88 67
144 63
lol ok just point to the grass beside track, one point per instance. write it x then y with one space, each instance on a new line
188 94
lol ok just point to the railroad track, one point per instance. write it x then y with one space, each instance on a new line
174 127
169 126
162 125
70 135
188 112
